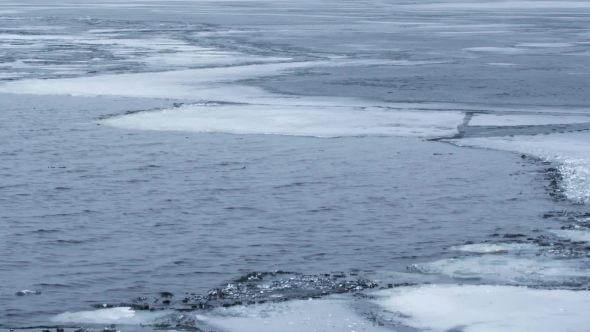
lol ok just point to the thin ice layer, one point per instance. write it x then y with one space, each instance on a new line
570 150
491 248
122 315
295 316
507 269
196 84
317 121
524 120
469 308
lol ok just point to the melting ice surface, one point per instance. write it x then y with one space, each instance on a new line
121 315
294 120
487 308
486 248
213 67
507 269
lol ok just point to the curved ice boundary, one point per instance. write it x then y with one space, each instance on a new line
296 120
480 308
571 151
492 248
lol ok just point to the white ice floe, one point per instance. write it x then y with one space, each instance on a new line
502 268
570 150
294 316
501 50
317 121
194 84
469 308
491 248
524 120
574 235
544 45
501 5
10 36
122 315
211 58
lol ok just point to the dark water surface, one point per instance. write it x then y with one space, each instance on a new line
93 214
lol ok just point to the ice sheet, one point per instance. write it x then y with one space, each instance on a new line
317 121
196 84
501 50
122 315
524 120
295 316
492 248
506 269
503 5
505 64
544 45
487 308
570 150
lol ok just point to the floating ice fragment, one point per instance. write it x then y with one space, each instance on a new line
490 248
544 45
525 271
333 314
487 308
27 292
318 121
121 315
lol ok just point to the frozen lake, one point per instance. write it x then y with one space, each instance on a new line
294 166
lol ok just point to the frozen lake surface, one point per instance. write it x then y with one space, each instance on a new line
294 166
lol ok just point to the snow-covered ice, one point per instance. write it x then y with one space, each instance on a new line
492 248
506 269
487 308
121 315
318 121
333 314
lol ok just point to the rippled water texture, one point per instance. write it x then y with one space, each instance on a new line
155 154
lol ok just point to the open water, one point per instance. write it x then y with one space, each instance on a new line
294 166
